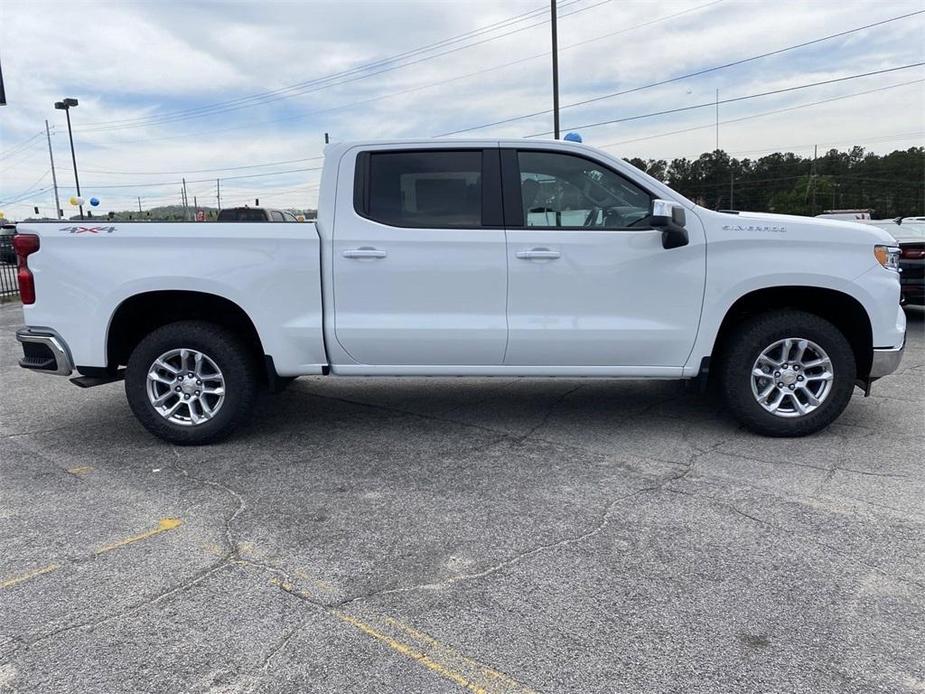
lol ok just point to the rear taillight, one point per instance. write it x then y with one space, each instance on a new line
25 245
912 252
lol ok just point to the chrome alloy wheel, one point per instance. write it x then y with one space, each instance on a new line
185 387
792 377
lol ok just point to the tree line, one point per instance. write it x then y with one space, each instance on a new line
890 185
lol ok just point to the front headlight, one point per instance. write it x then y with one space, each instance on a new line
888 257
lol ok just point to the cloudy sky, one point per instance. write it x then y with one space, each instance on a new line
244 91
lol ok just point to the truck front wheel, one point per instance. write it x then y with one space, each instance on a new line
191 382
787 373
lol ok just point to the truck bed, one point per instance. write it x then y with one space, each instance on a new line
85 270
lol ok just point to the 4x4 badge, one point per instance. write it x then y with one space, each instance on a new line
88 230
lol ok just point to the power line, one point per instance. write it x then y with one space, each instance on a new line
893 137
357 68
710 104
761 115
224 168
20 146
308 87
30 189
697 73
201 180
438 83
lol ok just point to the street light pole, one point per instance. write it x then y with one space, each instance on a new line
555 68
65 105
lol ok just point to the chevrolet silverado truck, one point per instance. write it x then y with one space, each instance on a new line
467 258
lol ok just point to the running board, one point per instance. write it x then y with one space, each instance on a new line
90 381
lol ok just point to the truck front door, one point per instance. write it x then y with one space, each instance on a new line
420 268
590 283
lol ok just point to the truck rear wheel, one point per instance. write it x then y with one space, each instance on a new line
787 373
191 382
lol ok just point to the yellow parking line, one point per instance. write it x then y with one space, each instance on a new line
509 684
438 657
412 653
426 650
10 582
163 525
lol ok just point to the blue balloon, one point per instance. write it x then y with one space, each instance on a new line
572 137
94 201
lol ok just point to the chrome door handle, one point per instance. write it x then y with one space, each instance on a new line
537 253
365 253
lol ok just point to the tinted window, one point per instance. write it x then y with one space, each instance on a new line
562 190
426 189
242 214
276 216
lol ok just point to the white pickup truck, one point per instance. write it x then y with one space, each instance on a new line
467 258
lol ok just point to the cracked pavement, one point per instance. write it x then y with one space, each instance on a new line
429 535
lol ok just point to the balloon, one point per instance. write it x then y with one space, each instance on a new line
572 137
2 216
94 201
80 201
73 200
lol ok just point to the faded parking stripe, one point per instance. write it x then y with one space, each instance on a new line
163 525
16 580
437 657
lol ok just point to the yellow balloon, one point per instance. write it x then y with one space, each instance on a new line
73 200
2 216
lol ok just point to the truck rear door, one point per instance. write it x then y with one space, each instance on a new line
420 269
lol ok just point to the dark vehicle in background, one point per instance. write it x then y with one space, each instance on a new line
255 214
909 233
911 239
7 254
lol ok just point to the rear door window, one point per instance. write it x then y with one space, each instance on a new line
432 188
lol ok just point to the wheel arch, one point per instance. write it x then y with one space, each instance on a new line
842 310
139 314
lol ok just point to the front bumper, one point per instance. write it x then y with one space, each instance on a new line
45 351
886 361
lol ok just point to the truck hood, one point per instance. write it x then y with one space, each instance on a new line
833 228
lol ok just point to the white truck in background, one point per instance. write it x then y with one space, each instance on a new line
466 258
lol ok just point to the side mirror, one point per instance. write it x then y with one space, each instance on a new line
671 219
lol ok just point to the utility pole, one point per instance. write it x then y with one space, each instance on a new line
811 181
717 119
555 69
218 193
732 204
815 154
139 206
326 139
54 179
185 201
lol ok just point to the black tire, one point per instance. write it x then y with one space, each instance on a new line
756 334
228 352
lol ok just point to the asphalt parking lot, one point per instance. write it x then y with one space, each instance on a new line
436 535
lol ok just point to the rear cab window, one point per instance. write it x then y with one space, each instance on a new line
429 188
